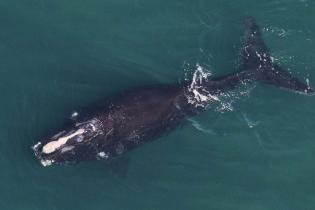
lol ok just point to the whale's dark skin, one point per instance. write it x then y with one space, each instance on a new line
140 115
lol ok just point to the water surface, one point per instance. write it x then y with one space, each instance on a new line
56 56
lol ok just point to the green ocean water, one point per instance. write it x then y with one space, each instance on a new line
56 56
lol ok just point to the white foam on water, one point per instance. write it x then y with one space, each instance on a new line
250 123
259 140
199 127
278 31
199 96
74 114
272 59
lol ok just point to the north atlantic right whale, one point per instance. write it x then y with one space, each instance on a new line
137 116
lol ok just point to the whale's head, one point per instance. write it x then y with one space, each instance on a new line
70 146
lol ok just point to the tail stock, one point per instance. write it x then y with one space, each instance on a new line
258 63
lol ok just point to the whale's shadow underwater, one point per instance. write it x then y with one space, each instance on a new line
134 117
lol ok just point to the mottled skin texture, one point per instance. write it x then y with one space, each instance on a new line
128 120
140 115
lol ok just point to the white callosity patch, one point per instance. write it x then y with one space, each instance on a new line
66 149
47 162
93 126
102 155
36 146
79 138
53 145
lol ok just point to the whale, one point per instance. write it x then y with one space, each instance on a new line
127 120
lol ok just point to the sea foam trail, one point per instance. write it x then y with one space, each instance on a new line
200 97
200 127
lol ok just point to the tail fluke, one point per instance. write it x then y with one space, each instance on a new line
258 60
